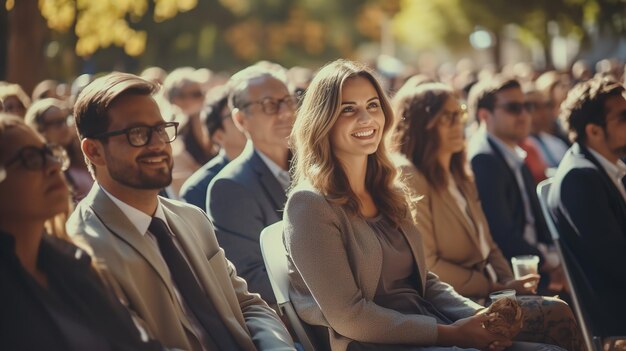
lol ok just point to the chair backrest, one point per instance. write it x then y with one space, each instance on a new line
592 342
276 264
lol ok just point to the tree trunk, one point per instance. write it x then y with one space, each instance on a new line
26 63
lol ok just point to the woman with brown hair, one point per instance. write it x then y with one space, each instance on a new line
51 298
357 267
446 209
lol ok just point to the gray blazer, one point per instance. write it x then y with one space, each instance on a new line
242 200
335 265
140 273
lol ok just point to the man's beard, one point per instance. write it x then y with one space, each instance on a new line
132 175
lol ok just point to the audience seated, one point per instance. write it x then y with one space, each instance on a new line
249 193
50 117
505 186
587 198
457 242
51 298
194 147
14 99
162 254
223 133
357 266
542 122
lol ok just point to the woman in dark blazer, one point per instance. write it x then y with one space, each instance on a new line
50 297
356 261
447 212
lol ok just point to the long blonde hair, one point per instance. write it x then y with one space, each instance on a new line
314 161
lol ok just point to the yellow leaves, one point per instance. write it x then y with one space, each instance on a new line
9 4
165 9
136 43
59 14
102 23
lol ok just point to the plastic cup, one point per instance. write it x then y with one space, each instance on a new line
502 294
524 265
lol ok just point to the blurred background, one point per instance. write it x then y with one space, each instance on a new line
61 39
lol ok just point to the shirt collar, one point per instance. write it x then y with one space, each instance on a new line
140 220
615 170
514 156
280 174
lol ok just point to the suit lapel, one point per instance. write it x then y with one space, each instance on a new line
270 184
615 193
210 282
452 205
120 226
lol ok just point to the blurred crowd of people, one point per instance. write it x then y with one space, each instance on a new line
131 206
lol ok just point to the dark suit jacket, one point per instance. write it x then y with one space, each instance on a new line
242 200
501 198
194 190
590 214
34 318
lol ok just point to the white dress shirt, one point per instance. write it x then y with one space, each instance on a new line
280 174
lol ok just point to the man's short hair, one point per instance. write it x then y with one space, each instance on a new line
177 80
239 82
92 106
217 100
585 104
483 94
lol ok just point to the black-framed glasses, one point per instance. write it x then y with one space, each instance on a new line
271 106
515 108
141 135
36 158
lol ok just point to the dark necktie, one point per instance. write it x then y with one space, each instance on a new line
200 304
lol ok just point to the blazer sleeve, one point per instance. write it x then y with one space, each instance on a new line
466 280
314 241
266 329
238 222
492 188
447 300
586 203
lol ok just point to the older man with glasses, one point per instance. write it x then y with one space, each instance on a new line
505 184
162 254
250 192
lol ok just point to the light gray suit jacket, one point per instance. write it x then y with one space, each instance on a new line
141 274
335 266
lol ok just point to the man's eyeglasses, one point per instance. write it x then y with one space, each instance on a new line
36 158
515 108
271 106
141 135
